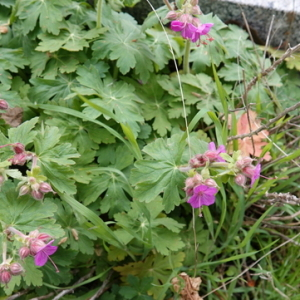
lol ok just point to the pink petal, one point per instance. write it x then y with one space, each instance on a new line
177 25
195 201
49 250
211 191
205 28
212 146
40 258
208 200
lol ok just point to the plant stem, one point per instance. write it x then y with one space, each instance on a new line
4 249
167 3
16 231
99 13
186 66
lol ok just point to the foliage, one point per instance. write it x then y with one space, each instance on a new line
108 129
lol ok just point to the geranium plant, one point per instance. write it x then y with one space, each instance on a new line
122 168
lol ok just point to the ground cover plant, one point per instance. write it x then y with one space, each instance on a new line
145 161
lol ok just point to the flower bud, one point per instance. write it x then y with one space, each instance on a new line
75 234
35 186
3 104
5 277
240 180
3 29
19 159
195 10
172 15
16 269
186 18
44 237
210 183
24 252
62 241
34 234
24 189
212 155
36 245
45 187
198 161
37 195
243 162
18 148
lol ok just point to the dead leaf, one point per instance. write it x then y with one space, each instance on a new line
13 116
246 144
187 287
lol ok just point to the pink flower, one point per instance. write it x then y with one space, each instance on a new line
202 195
252 172
191 28
43 254
214 154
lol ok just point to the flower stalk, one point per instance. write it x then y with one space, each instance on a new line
186 65
99 13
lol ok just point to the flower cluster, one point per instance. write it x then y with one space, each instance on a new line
21 155
191 28
245 169
202 189
35 188
210 156
200 192
36 244
8 269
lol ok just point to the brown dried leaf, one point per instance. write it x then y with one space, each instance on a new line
245 144
13 116
187 287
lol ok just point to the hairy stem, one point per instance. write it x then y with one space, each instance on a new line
99 13
16 231
167 3
186 66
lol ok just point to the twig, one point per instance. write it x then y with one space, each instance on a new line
282 236
167 3
17 295
277 62
256 131
103 287
64 292
43 297
284 218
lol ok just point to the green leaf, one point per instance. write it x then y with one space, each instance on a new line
49 65
117 97
158 267
32 276
10 60
98 227
138 288
48 12
71 37
55 159
155 103
160 175
18 211
75 131
125 43
23 134
146 223
46 89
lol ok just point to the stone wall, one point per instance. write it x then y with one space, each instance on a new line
259 15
